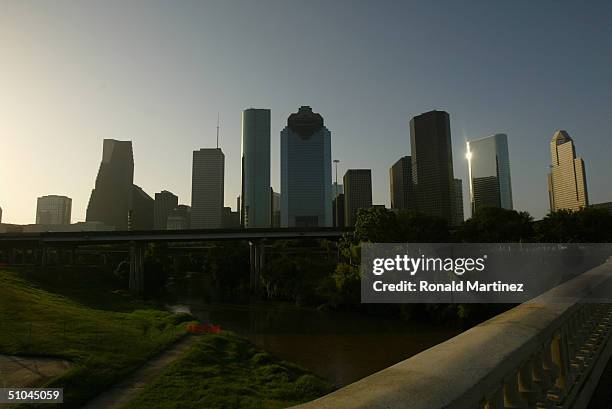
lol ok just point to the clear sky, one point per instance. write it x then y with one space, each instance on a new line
74 73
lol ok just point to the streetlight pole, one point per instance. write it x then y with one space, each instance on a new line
336 223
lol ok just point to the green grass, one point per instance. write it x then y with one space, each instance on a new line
106 334
225 371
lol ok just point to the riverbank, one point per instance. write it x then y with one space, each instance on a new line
226 371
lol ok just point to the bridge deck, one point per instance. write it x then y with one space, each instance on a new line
173 235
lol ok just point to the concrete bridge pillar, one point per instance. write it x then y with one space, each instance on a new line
43 256
137 251
71 256
257 259
12 256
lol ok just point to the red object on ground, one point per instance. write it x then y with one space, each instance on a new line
203 329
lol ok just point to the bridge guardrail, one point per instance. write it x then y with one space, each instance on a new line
540 354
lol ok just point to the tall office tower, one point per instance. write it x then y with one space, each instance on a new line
567 187
338 206
276 200
255 195
111 199
400 177
207 189
53 209
457 218
432 163
306 198
165 202
489 172
357 193
179 218
142 212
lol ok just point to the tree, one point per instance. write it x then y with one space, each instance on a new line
588 225
421 228
377 225
497 225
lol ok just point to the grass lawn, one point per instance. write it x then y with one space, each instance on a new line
225 371
76 316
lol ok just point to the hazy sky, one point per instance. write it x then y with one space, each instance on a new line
74 73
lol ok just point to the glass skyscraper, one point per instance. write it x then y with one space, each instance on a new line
306 196
489 172
256 207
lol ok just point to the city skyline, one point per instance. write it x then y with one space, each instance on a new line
99 85
110 146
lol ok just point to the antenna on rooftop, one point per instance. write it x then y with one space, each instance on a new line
217 130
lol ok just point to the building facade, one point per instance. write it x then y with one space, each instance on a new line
165 202
432 164
357 193
179 218
567 186
53 210
489 172
142 212
231 219
256 205
458 216
207 189
276 208
306 197
400 184
338 207
111 198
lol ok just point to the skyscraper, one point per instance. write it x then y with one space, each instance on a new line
489 172
256 206
458 217
338 214
53 209
111 198
432 163
400 184
165 202
142 212
357 193
567 187
276 201
306 197
207 189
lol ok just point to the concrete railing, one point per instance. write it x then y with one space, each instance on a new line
541 354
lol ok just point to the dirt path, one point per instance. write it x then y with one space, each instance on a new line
21 372
121 393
